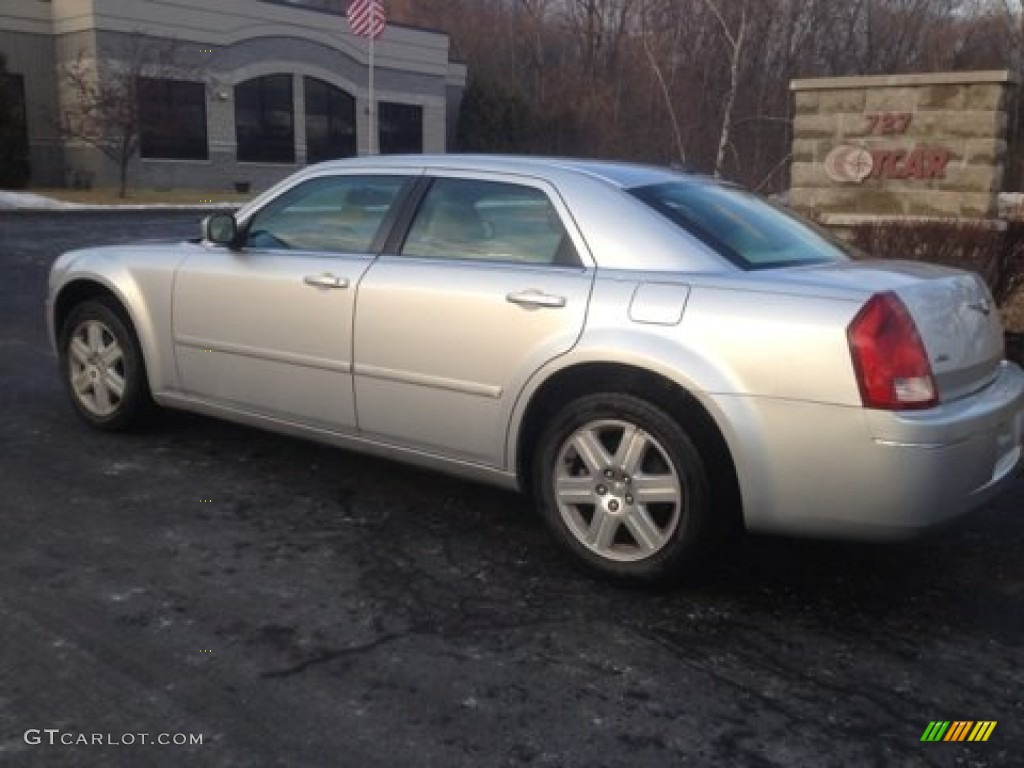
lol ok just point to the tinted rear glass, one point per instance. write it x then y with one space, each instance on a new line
740 226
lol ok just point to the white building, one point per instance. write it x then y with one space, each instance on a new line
259 88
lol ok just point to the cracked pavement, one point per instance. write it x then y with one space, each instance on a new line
330 609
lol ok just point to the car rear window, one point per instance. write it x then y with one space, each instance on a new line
742 227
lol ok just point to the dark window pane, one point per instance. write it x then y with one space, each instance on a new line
264 123
330 121
340 214
172 117
401 128
486 220
740 226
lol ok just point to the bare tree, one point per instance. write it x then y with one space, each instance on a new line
707 80
736 38
102 97
645 35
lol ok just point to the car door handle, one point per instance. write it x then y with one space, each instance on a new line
325 280
536 299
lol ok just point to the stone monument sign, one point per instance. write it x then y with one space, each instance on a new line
906 146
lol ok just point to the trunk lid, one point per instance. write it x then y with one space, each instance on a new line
953 310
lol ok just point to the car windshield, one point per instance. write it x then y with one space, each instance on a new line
742 227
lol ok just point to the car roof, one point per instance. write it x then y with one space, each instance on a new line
619 174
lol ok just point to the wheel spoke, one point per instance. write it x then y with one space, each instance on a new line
591 452
80 382
79 351
114 383
112 354
653 489
574 490
631 450
94 332
644 529
602 530
102 395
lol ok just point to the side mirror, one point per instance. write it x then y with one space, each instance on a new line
220 228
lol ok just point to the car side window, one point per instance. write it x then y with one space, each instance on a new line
333 213
489 221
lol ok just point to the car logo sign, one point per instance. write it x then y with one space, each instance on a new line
849 165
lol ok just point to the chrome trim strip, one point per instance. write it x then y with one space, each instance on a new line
924 446
243 350
423 380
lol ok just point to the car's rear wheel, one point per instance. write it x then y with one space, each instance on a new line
624 488
103 366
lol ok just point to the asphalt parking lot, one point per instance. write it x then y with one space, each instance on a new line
298 605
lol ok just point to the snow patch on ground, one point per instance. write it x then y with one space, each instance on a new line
26 201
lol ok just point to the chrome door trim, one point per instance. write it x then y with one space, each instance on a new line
424 380
243 350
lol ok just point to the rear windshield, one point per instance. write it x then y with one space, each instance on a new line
742 227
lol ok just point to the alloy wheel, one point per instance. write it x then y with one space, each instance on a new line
617 490
96 367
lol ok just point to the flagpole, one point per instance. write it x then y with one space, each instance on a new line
373 107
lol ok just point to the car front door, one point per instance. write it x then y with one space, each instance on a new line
487 286
267 327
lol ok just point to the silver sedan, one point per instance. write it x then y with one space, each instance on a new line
654 357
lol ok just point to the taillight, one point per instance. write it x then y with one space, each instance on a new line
892 367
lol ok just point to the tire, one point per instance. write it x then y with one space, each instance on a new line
597 462
102 367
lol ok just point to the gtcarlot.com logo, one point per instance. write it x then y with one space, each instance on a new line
57 737
958 730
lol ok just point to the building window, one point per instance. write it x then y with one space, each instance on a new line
264 121
14 161
172 118
401 128
330 121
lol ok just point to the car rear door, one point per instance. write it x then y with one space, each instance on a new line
267 328
489 281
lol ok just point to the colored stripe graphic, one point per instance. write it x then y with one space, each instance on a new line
982 730
959 730
935 731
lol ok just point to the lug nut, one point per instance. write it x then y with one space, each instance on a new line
601 490
613 506
609 474
629 499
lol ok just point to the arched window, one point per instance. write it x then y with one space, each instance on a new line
264 120
330 121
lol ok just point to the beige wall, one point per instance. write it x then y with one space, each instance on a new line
931 145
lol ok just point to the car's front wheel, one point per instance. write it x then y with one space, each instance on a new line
103 367
624 488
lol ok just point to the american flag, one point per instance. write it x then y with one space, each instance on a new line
366 17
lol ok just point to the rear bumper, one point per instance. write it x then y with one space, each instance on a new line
854 473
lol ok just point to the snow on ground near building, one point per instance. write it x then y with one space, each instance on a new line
26 201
